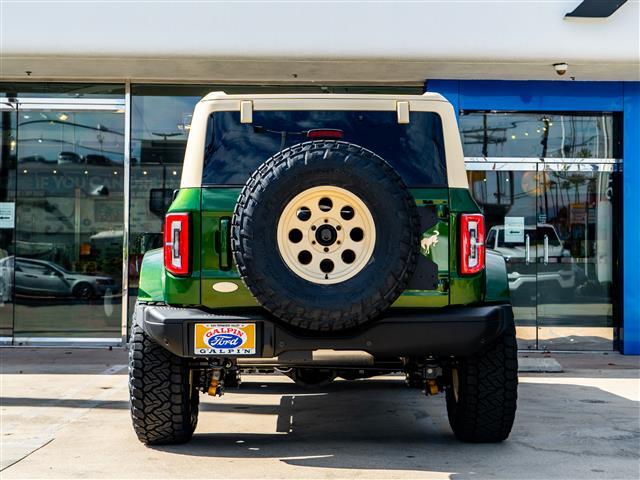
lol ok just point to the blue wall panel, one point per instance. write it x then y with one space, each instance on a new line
531 95
631 225
576 96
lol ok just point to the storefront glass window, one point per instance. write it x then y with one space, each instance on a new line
67 264
540 135
8 146
160 122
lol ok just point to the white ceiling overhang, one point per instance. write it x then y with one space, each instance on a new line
315 41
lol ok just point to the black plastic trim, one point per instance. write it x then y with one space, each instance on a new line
457 331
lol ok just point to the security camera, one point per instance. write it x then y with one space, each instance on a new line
561 68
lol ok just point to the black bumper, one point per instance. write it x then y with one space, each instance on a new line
459 331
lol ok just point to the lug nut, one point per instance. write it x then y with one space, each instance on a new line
326 249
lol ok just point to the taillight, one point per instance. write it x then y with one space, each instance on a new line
325 133
471 243
176 243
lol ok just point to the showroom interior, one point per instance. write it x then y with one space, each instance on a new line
88 170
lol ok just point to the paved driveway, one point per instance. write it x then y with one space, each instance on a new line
65 415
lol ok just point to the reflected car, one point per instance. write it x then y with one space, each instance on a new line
95 159
41 277
558 272
69 157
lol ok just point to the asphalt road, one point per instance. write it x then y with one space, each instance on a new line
65 415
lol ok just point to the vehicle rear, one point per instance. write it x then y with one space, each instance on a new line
434 177
326 236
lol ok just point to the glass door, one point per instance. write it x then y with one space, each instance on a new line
8 139
576 269
553 223
507 194
69 222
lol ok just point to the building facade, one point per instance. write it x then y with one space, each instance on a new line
95 121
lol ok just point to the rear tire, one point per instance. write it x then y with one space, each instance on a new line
482 397
163 398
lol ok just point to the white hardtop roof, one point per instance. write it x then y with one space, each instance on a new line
403 105
427 96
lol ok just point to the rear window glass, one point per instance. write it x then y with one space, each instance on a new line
234 150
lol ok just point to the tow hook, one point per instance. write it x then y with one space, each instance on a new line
221 374
431 375
216 384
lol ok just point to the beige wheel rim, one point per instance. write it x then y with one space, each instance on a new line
326 235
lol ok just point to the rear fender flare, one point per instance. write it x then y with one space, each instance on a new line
496 281
151 285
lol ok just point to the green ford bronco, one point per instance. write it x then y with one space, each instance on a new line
323 236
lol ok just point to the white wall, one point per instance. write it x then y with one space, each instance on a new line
400 41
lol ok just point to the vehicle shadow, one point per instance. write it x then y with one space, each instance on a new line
383 425
315 427
379 426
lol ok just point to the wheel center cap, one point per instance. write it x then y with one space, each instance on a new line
326 235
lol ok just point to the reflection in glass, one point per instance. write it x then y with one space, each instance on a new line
8 146
159 129
41 277
580 207
234 150
507 196
540 135
554 228
64 90
68 249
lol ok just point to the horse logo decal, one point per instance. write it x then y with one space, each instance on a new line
428 242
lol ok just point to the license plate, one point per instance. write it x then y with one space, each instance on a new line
225 339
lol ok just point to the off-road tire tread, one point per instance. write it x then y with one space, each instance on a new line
163 409
319 319
488 386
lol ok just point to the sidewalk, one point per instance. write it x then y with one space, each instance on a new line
65 415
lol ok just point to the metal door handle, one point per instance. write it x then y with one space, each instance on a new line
546 249
527 249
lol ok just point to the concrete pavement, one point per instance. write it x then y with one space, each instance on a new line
65 415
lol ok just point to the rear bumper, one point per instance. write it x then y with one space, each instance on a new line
459 331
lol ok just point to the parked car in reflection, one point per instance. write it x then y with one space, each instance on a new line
95 159
539 271
69 157
41 277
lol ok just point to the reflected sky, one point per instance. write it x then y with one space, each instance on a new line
234 150
539 135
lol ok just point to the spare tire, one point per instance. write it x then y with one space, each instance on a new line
325 235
